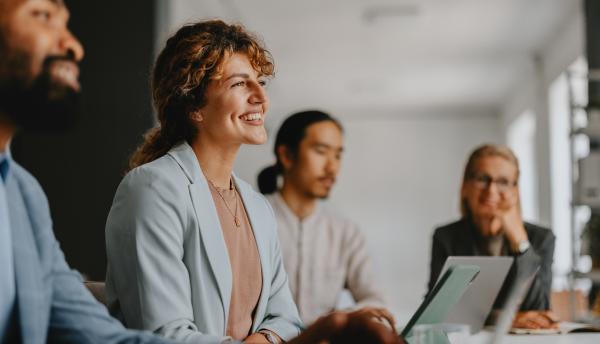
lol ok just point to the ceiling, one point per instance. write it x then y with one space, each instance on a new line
344 55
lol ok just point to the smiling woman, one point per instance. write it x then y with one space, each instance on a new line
200 60
192 250
492 225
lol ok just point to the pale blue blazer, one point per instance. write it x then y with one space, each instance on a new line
53 305
168 266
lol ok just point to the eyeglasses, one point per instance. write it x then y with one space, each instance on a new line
483 181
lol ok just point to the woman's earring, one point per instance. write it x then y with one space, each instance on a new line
197 116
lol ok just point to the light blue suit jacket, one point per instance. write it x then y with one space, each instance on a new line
53 304
168 266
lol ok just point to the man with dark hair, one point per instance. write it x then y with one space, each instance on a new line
324 253
41 299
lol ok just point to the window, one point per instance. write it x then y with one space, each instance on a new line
521 139
560 150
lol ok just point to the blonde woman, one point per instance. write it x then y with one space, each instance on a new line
491 225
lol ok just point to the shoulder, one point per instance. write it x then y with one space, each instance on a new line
537 234
278 206
32 191
26 181
36 206
537 230
162 175
162 170
271 198
149 190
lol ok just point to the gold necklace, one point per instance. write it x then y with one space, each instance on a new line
236 220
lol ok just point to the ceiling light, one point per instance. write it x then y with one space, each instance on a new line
375 14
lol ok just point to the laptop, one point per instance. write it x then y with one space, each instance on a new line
477 302
445 294
524 278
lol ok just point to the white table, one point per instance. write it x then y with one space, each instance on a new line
484 337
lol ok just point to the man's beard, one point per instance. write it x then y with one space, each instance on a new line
319 196
43 104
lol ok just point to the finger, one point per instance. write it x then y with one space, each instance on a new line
538 321
532 324
376 332
384 335
542 320
523 320
551 316
389 318
379 314
526 323
520 323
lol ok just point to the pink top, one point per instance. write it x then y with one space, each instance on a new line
244 259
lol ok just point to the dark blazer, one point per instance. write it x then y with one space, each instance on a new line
460 239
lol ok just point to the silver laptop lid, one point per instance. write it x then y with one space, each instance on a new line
477 302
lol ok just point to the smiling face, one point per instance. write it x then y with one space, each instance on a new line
39 59
313 170
491 189
236 104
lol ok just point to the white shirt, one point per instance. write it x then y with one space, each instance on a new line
324 254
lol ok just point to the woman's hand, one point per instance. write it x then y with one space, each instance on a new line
513 227
359 326
535 320
257 338
380 314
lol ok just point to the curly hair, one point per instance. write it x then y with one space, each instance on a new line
191 59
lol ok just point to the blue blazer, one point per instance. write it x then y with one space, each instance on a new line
53 305
168 266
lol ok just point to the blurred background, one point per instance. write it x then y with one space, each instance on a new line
417 85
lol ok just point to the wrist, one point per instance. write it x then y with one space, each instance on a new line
271 337
524 246
521 246
516 235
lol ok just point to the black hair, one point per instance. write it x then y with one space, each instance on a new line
290 134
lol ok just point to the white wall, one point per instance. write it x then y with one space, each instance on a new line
521 139
402 168
400 179
533 93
